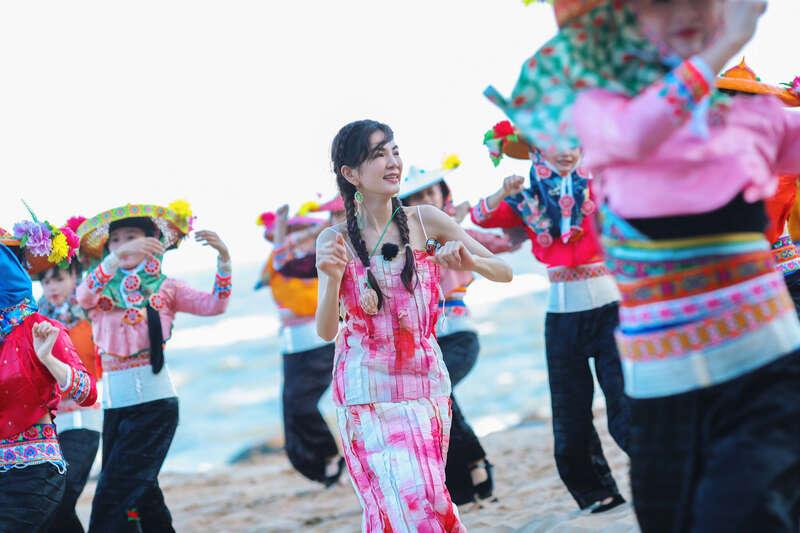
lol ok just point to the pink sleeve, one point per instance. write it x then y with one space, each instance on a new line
189 300
81 386
495 243
788 158
613 127
88 292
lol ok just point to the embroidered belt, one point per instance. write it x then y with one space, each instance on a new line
722 273
703 334
115 364
36 445
579 273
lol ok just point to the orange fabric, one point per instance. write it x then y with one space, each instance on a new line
297 295
81 337
780 207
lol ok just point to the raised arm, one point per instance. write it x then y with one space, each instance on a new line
493 212
462 252
192 301
56 352
331 262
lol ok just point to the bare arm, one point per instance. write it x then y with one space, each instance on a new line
331 262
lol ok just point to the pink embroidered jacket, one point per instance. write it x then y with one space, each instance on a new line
117 338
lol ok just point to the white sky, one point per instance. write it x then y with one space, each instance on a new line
232 105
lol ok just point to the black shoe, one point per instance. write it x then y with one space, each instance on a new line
484 489
599 507
332 480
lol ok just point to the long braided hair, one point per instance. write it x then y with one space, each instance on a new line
351 148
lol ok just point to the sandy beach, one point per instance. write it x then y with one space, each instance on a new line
266 495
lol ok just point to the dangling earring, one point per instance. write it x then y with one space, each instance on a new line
361 217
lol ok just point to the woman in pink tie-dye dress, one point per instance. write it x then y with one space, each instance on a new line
380 273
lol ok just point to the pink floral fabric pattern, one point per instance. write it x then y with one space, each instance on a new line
395 454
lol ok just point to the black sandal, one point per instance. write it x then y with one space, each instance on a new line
600 507
484 489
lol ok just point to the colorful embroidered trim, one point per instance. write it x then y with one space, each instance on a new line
97 280
481 211
222 286
36 445
723 273
703 334
665 313
79 386
579 273
13 316
683 88
116 364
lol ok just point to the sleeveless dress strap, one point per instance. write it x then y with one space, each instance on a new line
421 223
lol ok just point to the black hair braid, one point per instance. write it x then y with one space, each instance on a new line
347 191
409 267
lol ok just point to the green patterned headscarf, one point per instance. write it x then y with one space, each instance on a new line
603 48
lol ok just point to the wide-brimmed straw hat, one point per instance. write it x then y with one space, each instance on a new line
173 223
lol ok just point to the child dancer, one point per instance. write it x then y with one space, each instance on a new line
389 380
78 427
132 306
708 333
307 359
40 366
556 209
468 471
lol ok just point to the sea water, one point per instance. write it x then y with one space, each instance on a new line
228 369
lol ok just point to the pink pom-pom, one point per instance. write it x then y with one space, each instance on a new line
73 241
75 222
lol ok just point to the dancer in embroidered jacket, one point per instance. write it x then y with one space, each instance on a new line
132 306
468 473
556 210
40 366
78 427
389 381
291 274
708 333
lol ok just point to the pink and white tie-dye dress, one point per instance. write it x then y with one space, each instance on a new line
393 393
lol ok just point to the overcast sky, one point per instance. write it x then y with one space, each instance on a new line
232 105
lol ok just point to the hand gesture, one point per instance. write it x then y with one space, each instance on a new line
283 211
455 256
209 238
332 258
148 246
513 185
45 335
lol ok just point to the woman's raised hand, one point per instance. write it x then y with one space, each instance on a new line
332 258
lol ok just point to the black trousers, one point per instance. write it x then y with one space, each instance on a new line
136 440
570 340
309 442
460 352
29 498
80 448
725 458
